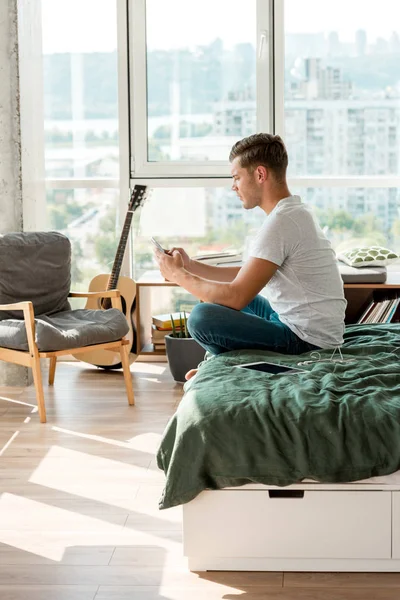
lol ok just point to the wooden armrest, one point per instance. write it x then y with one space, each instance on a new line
16 306
29 318
105 294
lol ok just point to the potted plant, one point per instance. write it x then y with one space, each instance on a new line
183 352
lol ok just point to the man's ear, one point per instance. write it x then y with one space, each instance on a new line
262 174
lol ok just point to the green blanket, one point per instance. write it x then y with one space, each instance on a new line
337 422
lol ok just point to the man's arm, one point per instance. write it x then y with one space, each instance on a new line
250 280
213 273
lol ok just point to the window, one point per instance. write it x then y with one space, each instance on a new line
353 217
82 131
89 218
197 83
80 89
341 116
341 75
199 219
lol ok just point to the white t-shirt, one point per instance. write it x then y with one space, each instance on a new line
306 290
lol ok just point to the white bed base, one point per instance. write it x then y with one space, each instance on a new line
318 527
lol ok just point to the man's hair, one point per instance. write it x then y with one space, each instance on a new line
262 149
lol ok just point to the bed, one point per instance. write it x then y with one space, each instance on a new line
280 473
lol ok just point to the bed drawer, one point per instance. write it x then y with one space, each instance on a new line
310 524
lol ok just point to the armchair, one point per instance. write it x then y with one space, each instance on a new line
35 280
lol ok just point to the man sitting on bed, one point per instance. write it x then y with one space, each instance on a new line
290 257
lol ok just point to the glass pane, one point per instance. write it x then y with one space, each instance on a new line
88 217
352 217
201 77
80 88
342 87
201 220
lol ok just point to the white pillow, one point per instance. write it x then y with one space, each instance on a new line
372 256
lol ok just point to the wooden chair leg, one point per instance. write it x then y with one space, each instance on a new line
37 378
124 351
52 369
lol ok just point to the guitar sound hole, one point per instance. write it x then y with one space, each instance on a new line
105 304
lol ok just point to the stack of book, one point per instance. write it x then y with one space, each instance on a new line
380 312
162 326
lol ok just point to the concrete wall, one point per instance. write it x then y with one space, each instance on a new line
11 209
10 136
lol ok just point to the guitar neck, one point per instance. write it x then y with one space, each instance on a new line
119 257
136 200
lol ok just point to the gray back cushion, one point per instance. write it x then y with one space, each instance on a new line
35 266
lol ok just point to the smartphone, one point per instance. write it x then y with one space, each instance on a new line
158 246
272 368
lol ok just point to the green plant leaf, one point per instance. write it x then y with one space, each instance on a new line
173 327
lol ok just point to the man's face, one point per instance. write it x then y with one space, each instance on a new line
245 185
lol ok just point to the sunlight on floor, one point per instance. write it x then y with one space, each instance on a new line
9 442
13 401
149 368
145 442
84 475
24 514
33 526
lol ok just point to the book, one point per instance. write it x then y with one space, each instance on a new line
366 312
163 321
393 310
159 334
380 312
159 346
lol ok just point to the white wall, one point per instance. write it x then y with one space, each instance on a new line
10 139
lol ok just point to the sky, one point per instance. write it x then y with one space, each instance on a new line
90 25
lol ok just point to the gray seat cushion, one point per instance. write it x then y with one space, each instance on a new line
362 274
65 330
35 266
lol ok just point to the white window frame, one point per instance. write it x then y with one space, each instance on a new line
141 168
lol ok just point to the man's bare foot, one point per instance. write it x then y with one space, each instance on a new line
190 374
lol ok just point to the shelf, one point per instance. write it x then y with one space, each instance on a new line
149 349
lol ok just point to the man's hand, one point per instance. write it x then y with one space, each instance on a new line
185 256
170 265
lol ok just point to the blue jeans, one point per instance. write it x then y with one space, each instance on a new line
220 329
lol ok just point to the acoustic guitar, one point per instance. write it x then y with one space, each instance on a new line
107 359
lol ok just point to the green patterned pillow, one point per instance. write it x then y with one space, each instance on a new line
373 256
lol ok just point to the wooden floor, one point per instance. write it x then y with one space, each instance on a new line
79 516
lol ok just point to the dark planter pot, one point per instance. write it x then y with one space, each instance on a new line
183 354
